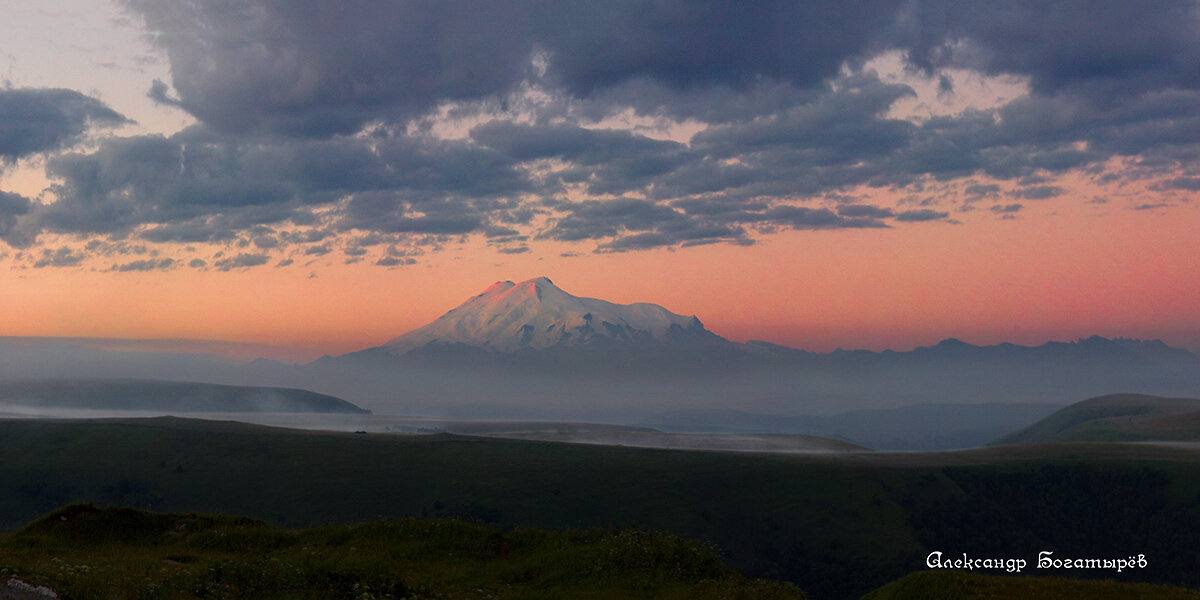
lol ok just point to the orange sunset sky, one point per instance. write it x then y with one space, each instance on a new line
297 190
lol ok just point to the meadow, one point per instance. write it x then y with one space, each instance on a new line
836 525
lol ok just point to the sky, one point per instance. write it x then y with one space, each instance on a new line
325 175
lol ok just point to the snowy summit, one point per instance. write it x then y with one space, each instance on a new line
536 314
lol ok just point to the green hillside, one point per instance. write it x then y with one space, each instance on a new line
837 525
957 585
172 396
1116 418
85 552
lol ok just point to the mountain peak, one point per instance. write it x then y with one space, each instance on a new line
536 314
498 288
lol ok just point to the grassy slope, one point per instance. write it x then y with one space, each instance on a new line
85 552
838 525
956 585
1116 418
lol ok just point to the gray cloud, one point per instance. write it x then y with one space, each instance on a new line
1104 50
1191 184
329 67
1038 192
395 261
200 187
314 120
242 260
332 67
799 217
609 161
63 256
12 206
1152 205
920 215
149 264
981 190
34 121
863 210
593 219
266 65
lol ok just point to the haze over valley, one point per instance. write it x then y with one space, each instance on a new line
531 351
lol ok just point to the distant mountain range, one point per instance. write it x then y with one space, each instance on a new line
536 318
531 350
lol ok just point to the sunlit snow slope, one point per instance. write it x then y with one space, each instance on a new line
536 314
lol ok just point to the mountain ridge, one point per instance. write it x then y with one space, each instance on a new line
1113 418
536 315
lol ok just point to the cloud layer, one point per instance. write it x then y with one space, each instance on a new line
379 129
35 121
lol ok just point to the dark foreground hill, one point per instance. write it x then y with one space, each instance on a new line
166 396
1116 418
956 585
837 525
85 552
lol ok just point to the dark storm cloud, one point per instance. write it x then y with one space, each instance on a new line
34 121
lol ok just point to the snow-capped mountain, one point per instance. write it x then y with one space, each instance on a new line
536 315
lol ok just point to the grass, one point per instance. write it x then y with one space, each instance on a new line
957 585
1116 418
838 526
86 552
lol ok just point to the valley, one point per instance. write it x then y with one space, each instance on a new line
838 525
